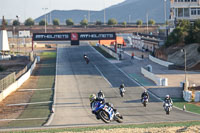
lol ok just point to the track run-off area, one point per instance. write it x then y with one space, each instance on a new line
76 81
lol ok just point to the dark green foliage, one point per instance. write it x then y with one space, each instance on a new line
1 68
56 22
98 22
139 22
69 22
184 33
84 22
29 22
42 22
198 49
16 23
112 22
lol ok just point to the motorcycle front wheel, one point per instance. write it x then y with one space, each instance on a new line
104 116
119 118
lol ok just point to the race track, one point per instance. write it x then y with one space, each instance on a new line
76 80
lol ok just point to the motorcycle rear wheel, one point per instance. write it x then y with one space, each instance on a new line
119 118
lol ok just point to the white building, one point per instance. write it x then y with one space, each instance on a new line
185 9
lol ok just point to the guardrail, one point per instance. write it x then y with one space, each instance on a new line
109 51
11 78
161 62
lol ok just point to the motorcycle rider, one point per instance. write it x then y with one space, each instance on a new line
100 94
86 58
168 100
121 86
145 93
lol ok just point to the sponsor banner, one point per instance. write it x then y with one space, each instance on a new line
51 36
97 36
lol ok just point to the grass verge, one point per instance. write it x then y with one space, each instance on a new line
104 53
46 74
85 129
189 105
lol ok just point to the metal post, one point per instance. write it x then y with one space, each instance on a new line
104 13
165 16
147 22
186 82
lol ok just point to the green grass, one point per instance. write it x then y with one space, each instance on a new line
84 129
189 106
46 79
104 53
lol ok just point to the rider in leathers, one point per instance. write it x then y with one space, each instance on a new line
168 100
145 93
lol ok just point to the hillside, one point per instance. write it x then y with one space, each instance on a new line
192 56
136 9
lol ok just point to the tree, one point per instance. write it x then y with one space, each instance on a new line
42 22
112 22
152 22
56 22
124 23
84 22
29 22
16 23
139 22
98 22
69 22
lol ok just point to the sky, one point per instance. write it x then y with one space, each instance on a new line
35 8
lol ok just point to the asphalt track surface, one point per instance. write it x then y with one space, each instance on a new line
76 80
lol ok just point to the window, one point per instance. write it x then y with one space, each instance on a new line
180 12
186 12
180 0
198 11
193 0
187 0
193 11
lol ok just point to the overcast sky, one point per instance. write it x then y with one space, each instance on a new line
33 8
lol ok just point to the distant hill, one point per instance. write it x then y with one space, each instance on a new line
136 9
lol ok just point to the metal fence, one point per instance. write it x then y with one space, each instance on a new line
8 80
11 78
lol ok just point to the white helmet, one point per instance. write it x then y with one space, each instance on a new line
167 96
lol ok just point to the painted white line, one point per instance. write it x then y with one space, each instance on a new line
35 89
102 75
139 83
23 104
25 119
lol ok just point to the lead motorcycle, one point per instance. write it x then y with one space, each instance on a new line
145 101
167 107
122 91
106 113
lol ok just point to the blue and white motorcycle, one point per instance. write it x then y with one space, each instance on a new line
106 113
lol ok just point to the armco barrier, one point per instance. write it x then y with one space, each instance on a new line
151 76
158 80
161 62
115 55
13 87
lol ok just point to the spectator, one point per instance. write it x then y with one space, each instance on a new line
132 55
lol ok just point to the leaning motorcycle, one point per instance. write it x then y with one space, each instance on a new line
106 113
145 101
122 91
167 108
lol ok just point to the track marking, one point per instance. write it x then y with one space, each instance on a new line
36 89
103 75
23 104
25 119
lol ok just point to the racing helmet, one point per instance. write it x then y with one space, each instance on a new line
92 97
167 96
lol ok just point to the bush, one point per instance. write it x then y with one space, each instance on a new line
198 49
1 68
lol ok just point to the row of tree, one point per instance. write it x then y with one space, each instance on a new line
84 22
186 32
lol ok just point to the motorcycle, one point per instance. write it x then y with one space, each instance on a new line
86 59
167 108
106 113
145 101
122 91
